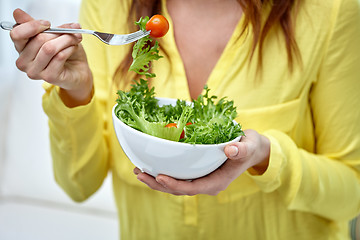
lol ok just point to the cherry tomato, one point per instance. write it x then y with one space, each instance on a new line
170 125
158 25
182 135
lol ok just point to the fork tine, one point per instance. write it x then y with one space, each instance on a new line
133 40
114 39
135 35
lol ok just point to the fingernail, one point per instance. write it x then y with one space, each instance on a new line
45 23
233 151
75 25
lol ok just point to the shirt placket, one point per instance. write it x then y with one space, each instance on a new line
190 210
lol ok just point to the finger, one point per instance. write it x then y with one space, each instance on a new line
73 26
211 184
178 186
32 48
151 182
236 151
53 72
229 171
21 17
238 159
49 50
136 171
190 188
28 54
21 34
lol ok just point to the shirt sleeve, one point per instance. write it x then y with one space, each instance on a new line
327 182
78 136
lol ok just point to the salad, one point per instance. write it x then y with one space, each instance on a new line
205 120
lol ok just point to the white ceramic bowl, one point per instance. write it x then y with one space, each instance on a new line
155 156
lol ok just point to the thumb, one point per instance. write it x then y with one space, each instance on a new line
236 150
21 17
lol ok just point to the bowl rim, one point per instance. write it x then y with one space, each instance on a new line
115 118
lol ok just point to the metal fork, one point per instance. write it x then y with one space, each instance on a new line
108 38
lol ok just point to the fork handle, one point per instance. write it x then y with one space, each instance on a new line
69 30
9 26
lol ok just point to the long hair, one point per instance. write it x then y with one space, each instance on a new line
281 15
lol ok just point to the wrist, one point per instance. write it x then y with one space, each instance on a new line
81 95
263 157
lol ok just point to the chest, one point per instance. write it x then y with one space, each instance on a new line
201 35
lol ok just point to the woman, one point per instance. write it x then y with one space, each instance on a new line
292 69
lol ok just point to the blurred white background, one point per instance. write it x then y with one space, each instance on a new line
32 206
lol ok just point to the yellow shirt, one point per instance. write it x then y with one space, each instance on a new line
311 188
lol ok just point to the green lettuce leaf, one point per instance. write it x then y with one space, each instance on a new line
143 53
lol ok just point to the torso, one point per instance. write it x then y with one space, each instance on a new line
202 29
